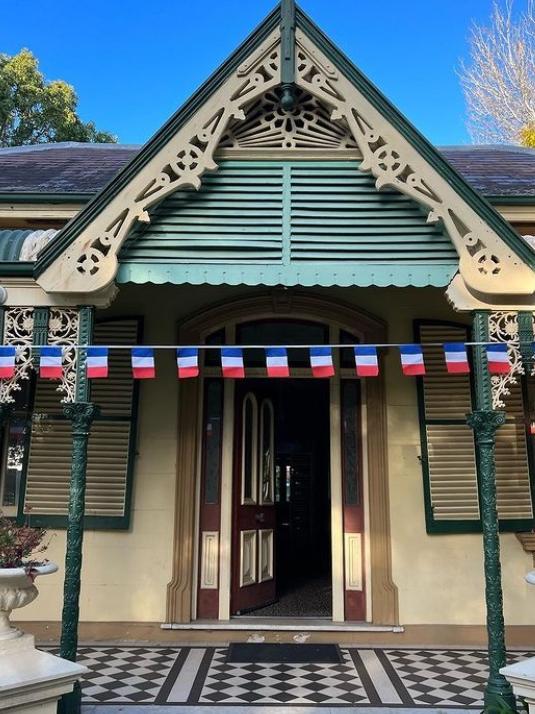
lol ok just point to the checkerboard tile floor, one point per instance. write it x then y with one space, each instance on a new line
366 677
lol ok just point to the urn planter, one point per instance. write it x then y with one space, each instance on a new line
17 589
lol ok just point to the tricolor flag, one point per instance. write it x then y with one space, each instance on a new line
497 358
50 366
456 358
187 362
412 360
143 363
232 362
277 362
97 362
7 362
321 361
366 361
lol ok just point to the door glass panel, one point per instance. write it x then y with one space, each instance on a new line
249 449
266 451
350 441
213 420
212 358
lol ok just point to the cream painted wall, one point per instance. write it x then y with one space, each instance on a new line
125 574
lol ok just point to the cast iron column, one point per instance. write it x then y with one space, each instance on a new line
484 420
81 414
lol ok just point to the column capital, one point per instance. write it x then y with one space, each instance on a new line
81 415
485 423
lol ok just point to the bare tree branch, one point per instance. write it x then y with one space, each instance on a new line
499 80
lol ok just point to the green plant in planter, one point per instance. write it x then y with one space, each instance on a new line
19 545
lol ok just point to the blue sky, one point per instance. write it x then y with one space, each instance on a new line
134 62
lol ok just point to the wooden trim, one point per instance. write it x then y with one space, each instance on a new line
227 473
384 591
295 305
337 521
179 590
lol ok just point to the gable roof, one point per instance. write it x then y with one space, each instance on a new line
430 155
151 148
78 171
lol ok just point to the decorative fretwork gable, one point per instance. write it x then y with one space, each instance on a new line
486 264
269 126
335 103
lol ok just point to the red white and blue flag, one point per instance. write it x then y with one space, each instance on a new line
7 362
232 362
50 363
97 362
412 360
497 358
366 361
143 363
321 362
456 358
187 362
277 362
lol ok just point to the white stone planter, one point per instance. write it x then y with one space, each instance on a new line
17 589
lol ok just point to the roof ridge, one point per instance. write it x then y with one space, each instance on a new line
29 148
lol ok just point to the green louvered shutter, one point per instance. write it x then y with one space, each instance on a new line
110 448
448 451
337 214
235 217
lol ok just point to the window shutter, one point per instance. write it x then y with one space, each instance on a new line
110 447
512 466
448 451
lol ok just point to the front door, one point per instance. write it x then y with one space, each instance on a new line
253 539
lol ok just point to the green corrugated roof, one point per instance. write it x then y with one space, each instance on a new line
288 223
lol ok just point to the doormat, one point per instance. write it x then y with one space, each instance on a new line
250 652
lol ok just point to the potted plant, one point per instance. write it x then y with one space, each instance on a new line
20 547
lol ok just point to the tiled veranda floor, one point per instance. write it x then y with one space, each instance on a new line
386 677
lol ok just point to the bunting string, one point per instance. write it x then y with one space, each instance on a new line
277 363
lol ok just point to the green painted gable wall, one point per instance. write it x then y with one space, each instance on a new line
288 223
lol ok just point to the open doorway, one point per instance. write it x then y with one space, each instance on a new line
282 509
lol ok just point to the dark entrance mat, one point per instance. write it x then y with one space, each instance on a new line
242 652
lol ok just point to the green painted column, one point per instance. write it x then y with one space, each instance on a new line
484 420
81 413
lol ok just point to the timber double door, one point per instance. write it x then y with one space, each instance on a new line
253 581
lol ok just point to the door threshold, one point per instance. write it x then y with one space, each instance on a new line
286 624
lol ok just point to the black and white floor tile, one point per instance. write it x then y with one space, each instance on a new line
384 677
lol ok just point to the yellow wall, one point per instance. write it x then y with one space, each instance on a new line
125 574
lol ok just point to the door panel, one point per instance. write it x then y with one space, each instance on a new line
253 564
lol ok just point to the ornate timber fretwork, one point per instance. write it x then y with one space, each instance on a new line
90 263
63 330
503 327
486 264
18 331
268 126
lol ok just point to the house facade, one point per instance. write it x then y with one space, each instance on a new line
287 203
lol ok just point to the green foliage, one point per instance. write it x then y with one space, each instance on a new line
527 136
19 543
34 110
